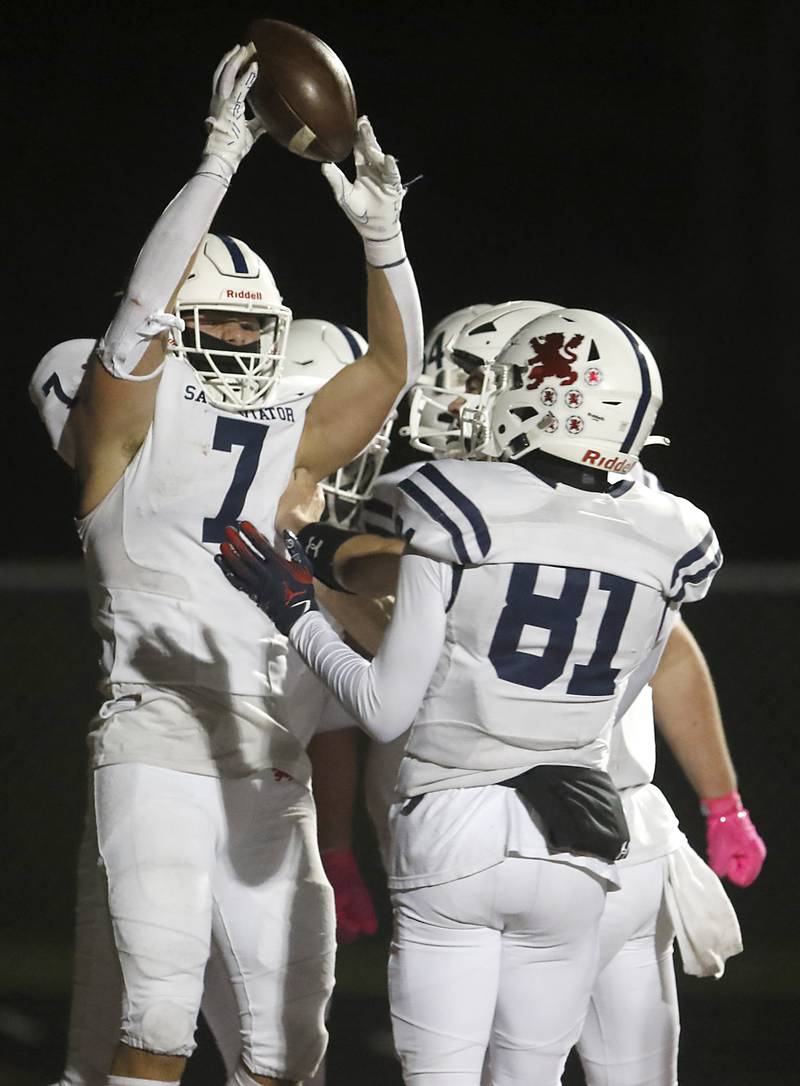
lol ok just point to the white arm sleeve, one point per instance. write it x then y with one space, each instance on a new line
159 269
390 257
384 695
401 279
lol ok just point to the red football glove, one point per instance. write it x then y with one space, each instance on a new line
355 914
283 588
732 843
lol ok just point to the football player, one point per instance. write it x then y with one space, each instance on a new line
535 592
631 1031
205 825
315 351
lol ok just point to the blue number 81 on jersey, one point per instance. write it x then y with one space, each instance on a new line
559 616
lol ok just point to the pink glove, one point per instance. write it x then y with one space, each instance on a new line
355 914
733 846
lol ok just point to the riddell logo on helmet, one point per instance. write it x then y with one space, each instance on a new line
252 295
607 463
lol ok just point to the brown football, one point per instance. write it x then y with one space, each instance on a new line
303 94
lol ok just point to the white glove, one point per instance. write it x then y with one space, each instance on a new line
372 202
230 133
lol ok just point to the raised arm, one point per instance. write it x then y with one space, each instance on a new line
117 398
687 715
350 409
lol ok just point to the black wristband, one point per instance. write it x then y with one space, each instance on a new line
321 542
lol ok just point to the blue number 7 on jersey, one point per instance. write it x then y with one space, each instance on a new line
228 432
559 615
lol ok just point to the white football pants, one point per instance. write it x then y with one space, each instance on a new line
630 1037
186 855
96 1001
502 960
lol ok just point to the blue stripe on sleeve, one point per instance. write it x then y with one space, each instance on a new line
437 514
692 556
701 575
462 502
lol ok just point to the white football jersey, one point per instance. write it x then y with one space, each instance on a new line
164 610
653 826
305 705
560 598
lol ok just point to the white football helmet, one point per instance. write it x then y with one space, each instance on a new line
478 344
575 384
473 345
432 427
228 278
317 350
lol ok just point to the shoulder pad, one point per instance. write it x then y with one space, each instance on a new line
694 571
435 515
54 387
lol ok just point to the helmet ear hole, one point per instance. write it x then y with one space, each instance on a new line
524 413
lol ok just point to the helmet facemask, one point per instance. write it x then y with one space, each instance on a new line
230 285
450 420
350 486
433 427
317 351
237 377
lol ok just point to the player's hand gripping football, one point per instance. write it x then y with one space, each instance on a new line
230 133
733 845
355 913
283 588
372 202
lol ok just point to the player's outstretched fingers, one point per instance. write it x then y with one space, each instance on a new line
390 174
365 137
240 557
225 72
235 569
337 181
229 563
258 541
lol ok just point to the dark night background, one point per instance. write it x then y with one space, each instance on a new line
636 158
